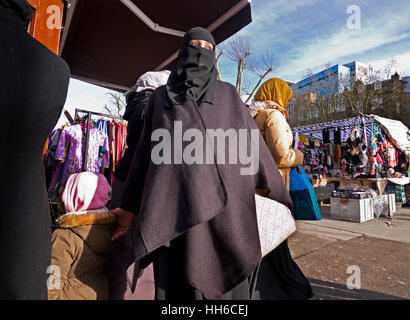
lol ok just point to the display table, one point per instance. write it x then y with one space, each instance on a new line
381 183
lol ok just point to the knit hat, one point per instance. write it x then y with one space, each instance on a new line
85 191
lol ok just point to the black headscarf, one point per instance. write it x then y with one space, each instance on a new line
194 75
21 7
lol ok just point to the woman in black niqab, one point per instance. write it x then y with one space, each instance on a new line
20 7
194 75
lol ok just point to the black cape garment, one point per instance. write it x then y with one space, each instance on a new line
203 214
33 89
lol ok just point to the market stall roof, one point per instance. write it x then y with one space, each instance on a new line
112 42
314 131
397 132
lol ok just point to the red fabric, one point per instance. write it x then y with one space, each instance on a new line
118 138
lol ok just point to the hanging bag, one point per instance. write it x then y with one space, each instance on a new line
275 223
305 206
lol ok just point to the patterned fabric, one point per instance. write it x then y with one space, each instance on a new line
275 223
74 157
399 191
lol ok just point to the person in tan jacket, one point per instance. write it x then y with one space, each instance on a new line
82 240
270 113
279 276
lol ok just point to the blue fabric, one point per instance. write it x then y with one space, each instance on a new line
102 126
305 206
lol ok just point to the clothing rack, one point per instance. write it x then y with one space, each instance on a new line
87 135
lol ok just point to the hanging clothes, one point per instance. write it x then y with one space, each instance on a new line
337 138
118 137
74 159
326 135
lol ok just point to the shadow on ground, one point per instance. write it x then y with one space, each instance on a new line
325 290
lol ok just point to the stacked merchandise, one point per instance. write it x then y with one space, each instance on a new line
353 203
352 192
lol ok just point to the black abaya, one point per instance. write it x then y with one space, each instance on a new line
171 283
33 89
280 278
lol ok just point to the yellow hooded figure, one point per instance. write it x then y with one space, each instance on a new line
270 113
275 92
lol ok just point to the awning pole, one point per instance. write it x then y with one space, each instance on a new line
144 18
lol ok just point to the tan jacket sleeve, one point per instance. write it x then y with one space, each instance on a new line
62 257
277 133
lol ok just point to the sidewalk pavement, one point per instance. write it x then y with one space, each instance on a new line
325 249
380 248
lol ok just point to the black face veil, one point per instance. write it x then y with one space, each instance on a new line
20 7
194 75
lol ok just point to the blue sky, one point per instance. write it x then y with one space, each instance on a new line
308 34
303 35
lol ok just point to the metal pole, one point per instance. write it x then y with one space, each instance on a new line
87 138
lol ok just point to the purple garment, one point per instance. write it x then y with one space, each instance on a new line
52 146
75 135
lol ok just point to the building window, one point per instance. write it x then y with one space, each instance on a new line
377 103
378 85
341 106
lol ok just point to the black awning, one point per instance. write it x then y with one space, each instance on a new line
105 43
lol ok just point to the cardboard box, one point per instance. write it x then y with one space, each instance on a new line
356 210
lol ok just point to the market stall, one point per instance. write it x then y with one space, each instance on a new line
361 153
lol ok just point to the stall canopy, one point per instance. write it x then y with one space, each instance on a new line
397 132
314 131
112 42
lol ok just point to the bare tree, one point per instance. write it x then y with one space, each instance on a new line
361 95
261 67
218 54
238 50
246 84
337 96
324 86
116 104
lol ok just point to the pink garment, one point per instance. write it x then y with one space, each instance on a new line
393 156
86 191
118 137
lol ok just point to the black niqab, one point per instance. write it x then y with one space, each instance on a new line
21 7
194 75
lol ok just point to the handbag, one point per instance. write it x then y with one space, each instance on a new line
305 205
275 223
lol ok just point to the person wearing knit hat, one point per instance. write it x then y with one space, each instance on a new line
82 240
